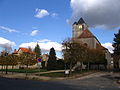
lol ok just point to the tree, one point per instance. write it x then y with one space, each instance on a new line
73 52
61 64
27 59
5 57
97 57
37 50
2 62
13 60
116 53
9 60
52 62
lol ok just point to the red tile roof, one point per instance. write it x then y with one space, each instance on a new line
26 50
86 34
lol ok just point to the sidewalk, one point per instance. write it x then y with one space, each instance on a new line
49 72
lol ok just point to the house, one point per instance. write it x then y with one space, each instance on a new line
45 58
82 34
22 50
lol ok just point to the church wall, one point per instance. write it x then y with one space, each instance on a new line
109 59
89 41
95 42
77 30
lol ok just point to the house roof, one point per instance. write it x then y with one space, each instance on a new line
26 50
86 34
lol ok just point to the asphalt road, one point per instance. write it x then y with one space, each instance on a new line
105 82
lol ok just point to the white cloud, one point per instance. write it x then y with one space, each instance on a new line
68 21
34 32
97 12
34 28
8 29
54 14
44 44
44 40
4 43
40 13
108 46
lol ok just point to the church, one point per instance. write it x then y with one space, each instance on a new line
82 34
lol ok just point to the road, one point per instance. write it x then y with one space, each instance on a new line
94 82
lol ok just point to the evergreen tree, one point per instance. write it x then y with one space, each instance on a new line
116 46
37 50
52 54
52 62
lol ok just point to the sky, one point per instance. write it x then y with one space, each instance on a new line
24 23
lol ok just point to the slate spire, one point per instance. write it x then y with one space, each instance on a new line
81 21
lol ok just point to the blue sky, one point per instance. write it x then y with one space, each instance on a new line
23 23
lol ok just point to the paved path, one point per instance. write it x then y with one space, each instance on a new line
49 71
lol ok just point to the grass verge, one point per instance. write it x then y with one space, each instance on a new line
53 74
24 70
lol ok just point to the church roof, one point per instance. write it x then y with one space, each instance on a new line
75 23
81 21
86 34
99 46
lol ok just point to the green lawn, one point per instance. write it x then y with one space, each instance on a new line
24 71
53 74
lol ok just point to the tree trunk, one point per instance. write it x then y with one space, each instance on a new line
6 69
81 66
2 69
26 71
98 67
70 67
88 65
12 68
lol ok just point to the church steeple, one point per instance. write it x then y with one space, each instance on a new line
78 27
81 21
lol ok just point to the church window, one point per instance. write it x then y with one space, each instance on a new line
85 44
80 27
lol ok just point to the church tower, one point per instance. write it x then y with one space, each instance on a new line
78 28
